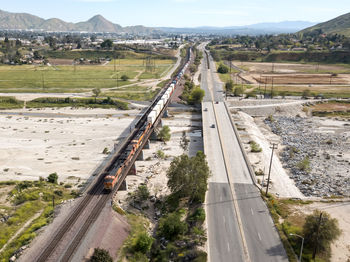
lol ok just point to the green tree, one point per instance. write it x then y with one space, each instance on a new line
96 92
229 86
142 242
164 134
52 178
222 69
101 255
320 230
196 96
189 176
124 78
171 226
107 44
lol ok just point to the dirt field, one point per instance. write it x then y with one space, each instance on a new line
57 61
319 79
292 68
67 141
331 107
340 211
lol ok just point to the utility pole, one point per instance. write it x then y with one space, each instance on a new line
42 80
114 62
271 87
274 146
53 201
317 234
265 86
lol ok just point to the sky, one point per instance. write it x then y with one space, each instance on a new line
182 13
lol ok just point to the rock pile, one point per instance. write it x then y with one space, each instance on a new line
319 161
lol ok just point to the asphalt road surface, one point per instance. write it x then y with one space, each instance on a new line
240 227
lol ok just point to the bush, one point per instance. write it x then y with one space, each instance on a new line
223 69
304 165
52 178
142 193
198 216
171 226
255 147
196 96
124 78
101 255
160 154
164 134
142 242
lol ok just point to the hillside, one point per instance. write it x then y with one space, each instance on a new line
339 25
96 24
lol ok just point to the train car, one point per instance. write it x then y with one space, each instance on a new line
112 177
152 117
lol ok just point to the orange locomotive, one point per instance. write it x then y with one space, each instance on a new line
124 160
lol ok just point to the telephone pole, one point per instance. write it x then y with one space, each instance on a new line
274 146
317 234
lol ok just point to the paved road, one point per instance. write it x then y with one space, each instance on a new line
239 224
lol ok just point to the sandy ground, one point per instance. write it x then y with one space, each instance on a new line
152 170
282 185
67 141
340 211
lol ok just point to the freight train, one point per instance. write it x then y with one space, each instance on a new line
112 177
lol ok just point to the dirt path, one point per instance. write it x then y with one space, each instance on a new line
21 230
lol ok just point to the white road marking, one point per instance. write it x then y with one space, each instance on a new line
251 210
228 246
259 236
224 220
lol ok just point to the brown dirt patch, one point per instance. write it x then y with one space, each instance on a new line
291 68
331 107
320 79
61 61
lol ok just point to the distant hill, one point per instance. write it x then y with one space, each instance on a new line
254 29
339 25
96 24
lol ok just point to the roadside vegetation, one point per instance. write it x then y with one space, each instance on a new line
319 231
192 95
179 233
24 201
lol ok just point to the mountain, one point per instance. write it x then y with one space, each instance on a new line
339 25
254 29
97 23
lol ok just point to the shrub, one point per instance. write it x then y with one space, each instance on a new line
101 255
198 216
171 226
223 69
124 78
255 147
142 242
160 154
304 165
52 178
238 91
142 193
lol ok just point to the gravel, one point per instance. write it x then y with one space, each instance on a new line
324 150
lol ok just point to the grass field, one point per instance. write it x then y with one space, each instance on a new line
80 78
24 200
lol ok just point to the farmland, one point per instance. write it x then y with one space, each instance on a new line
79 78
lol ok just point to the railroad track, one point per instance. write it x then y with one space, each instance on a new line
97 189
